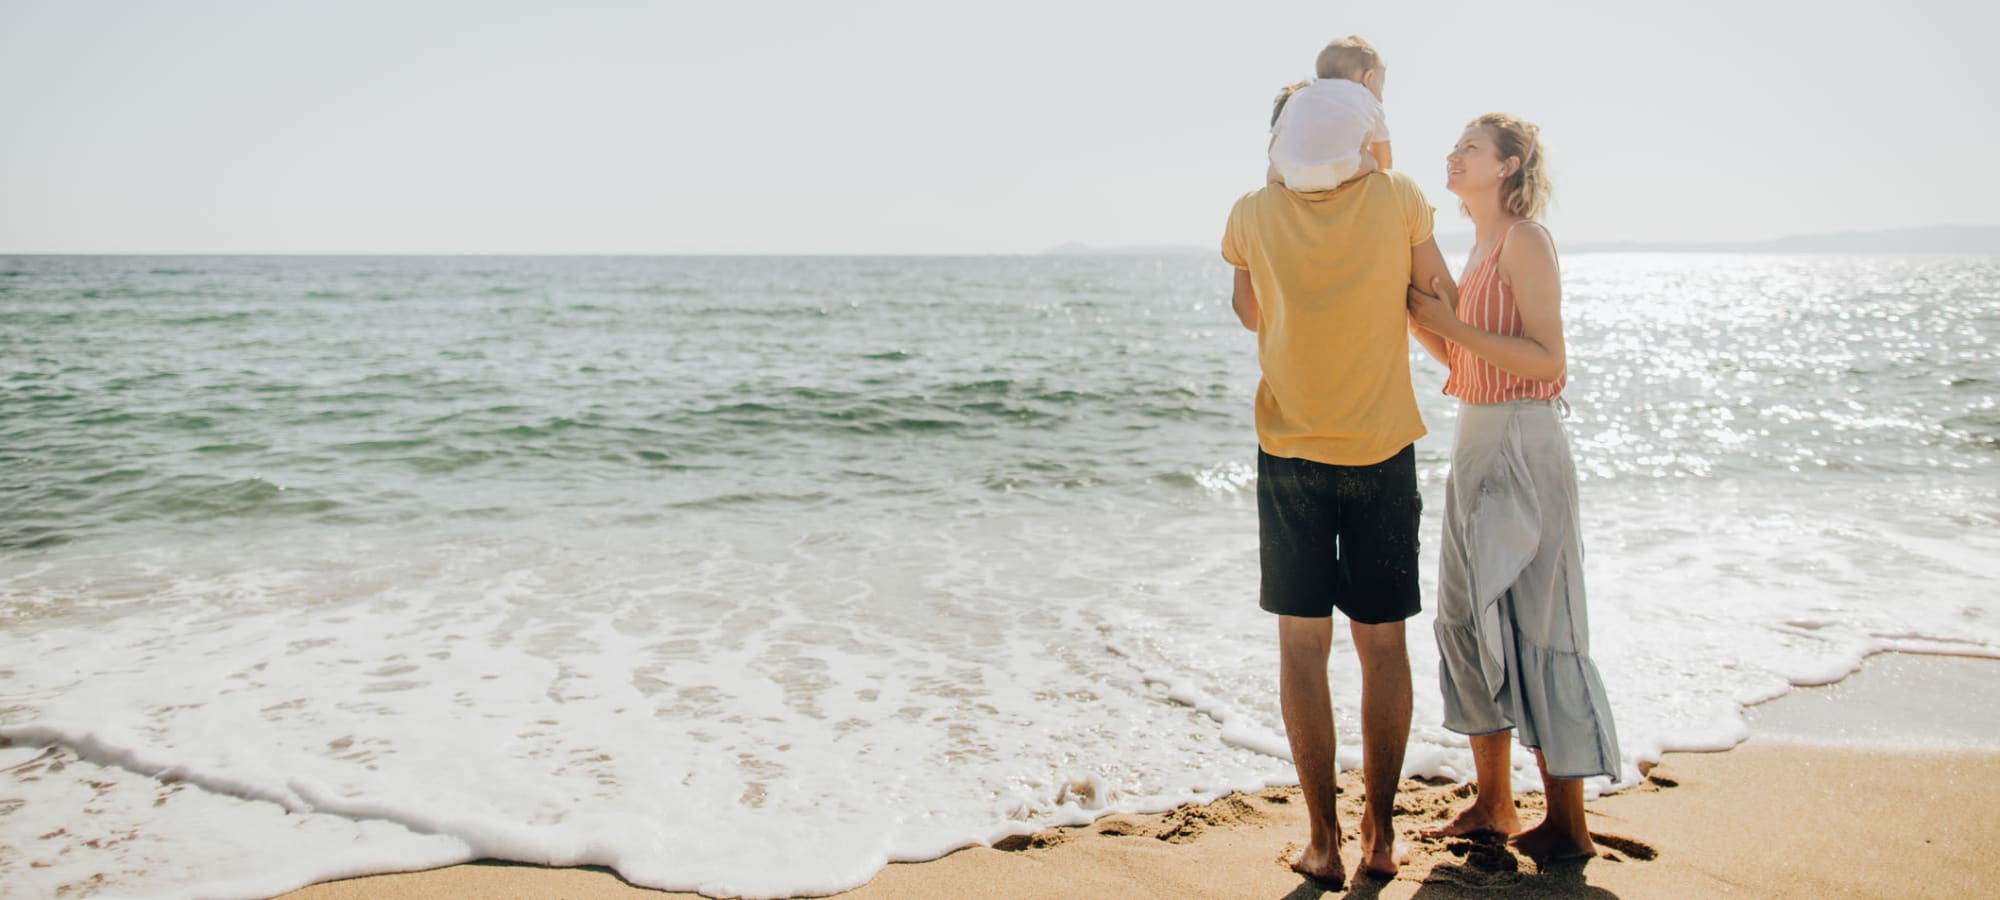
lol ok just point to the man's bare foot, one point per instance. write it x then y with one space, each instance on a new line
1322 866
1381 855
1544 842
1477 819
1384 863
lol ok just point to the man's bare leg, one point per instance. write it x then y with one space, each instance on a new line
1563 833
1307 705
1492 812
1385 733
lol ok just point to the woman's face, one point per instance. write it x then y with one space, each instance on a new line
1475 166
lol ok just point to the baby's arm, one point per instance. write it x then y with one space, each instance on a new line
1380 151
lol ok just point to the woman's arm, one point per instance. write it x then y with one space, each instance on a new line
1427 267
1528 265
1244 300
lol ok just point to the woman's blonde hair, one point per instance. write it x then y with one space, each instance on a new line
1526 192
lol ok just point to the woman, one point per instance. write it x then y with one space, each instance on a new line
1511 627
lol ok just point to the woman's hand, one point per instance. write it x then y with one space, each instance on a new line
1436 314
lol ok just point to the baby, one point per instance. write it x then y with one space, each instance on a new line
1324 133
1332 130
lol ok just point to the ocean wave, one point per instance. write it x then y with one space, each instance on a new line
200 498
228 318
460 415
757 498
327 416
666 290
550 428
146 293
21 535
377 446
107 417
840 414
1980 429
1222 478
1024 416
115 476
185 422
983 387
230 449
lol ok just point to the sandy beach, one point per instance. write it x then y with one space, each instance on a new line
1815 804
795 450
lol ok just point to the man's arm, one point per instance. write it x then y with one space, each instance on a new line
1427 267
1244 300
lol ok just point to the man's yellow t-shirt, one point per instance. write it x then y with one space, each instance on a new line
1331 270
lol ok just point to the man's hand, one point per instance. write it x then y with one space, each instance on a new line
1436 314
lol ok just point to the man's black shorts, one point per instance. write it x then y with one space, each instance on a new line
1340 537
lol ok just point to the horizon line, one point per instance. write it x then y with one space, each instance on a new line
1064 248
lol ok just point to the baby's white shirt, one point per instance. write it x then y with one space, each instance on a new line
1323 130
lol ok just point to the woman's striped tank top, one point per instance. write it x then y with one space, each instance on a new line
1487 303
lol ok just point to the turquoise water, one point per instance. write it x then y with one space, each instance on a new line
657 562
216 393
213 393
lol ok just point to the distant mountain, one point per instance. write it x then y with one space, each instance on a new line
1976 239
1950 239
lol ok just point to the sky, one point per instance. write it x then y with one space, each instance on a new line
938 127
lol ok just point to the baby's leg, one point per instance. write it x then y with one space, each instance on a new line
1367 165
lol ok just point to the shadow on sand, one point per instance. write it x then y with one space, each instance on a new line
1558 880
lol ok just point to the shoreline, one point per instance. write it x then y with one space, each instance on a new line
1812 804
1767 818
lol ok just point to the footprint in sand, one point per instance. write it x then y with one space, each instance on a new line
1489 854
1634 849
1040 840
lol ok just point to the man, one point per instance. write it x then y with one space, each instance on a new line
1321 278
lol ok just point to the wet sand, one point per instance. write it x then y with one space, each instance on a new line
1805 808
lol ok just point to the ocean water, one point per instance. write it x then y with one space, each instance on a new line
324 566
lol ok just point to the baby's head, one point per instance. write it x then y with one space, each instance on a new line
1352 59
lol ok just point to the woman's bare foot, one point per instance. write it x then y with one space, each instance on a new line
1322 866
1477 819
1548 842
